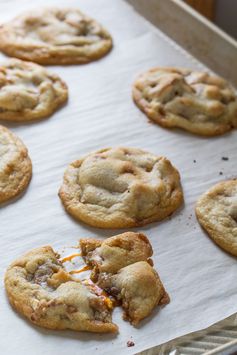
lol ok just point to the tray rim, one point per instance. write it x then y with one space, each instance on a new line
213 47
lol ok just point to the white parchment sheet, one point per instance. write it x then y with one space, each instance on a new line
200 277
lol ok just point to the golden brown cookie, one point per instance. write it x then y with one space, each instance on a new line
198 102
55 36
39 288
216 211
121 187
29 92
15 165
138 288
123 268
115 252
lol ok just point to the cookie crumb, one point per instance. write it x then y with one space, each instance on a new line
220 173
130 343
225 158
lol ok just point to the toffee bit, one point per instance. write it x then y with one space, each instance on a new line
130 343
225 158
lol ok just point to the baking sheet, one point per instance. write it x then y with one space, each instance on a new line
200 278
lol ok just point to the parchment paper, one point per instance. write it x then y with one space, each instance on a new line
200 277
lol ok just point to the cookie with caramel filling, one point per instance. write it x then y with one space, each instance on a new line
41 289
116 252
123 267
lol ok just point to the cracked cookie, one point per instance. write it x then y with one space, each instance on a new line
115 252
39 288
216 211
55 36
121 187
29 92
123 268
15 165
198 102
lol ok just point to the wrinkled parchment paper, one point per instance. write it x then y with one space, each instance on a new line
200 277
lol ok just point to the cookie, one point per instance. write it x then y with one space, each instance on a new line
39 288
120 188
115 252
29 92
55 36
216 211
195 101
123 268
15 165
138 288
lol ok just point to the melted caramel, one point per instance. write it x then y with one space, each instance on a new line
109 303
70 257
84 268
101 293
